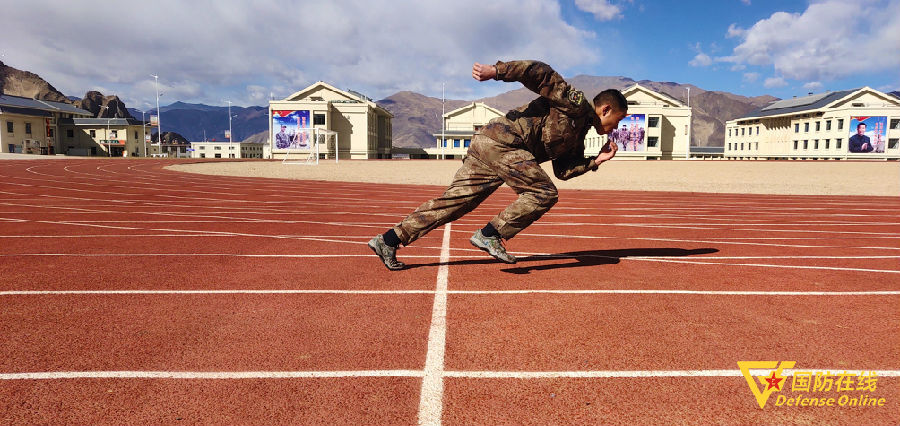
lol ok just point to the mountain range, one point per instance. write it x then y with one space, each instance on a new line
416 117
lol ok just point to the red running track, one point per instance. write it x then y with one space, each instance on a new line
133 294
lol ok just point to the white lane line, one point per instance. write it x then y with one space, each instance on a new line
648 373
57 375
432 395
764 265
462 292
599 374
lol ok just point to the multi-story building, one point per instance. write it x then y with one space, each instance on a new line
337 122
460 125
227 150
657 127
110 137
33 126
851 124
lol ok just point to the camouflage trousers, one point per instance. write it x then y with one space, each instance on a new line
487 165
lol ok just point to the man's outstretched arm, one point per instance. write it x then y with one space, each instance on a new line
537 77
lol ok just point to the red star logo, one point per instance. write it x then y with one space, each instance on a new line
773 382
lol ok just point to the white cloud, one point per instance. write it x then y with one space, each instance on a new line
602 10
701 60
746 2
738 67
209 51
830 40
814 86
773 82
751 77
735 31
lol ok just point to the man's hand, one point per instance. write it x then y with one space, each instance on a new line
607 152
483 72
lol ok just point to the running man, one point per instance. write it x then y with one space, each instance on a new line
509 150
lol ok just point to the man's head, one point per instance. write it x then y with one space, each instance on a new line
282 128
611 107
861 129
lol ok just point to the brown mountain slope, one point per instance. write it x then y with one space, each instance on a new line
28 85
416 117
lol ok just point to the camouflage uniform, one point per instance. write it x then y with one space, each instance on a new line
509 150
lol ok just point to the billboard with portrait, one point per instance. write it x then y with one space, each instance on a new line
292 129
867 134
631 134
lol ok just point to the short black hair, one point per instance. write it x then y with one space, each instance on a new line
861 124
613 98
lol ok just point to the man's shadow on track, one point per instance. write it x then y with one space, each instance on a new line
582 258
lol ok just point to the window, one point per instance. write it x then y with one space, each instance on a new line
796 127
135 134
742 146
828 125
895 123
806 127
757 130
202 147
467 142
796 145
742 131
218 148
50 131
837 143
93 133
230 155
652 141
892 143
318 119
729 133
9 126
816 144
840 124
231 148
653 122
858 104
218 155
114 134
827 143
456 143
27 128
806 144
70 133
818 126
202 155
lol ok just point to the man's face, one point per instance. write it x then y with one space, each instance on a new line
282 128
861 129
607 119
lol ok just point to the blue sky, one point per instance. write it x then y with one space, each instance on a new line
211 51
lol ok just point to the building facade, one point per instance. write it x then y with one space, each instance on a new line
657 127
852 124
227 150
460 125
352 125
33 126
107 137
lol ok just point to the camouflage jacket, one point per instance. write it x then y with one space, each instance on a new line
551 127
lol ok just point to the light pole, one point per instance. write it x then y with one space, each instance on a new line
230 136
158 112
143 131
104 108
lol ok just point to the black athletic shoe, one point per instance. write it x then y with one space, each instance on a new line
387 253
493 246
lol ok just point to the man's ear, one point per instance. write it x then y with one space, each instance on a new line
605 110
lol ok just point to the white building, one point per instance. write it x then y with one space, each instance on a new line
819 126
657 127
360 128
227 150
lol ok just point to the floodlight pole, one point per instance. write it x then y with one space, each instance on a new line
230 135
443 140
158 112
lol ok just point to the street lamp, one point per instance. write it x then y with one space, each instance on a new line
230 135
158 112
104 108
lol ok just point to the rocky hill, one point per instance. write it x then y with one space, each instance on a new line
29 85
95 102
